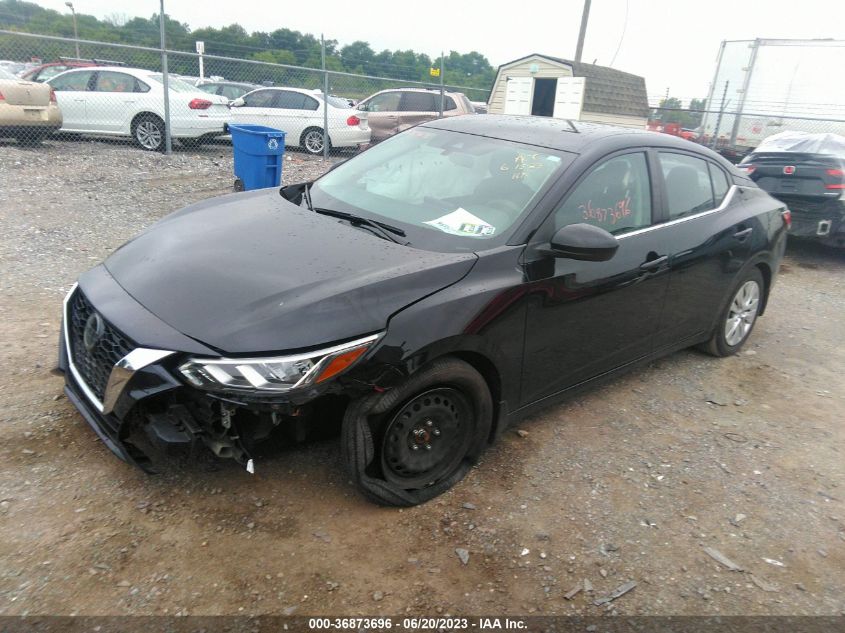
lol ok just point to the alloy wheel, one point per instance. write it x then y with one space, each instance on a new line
314 142
742 312
148 135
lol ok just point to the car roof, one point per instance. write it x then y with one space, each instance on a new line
427 90
562 134
119 69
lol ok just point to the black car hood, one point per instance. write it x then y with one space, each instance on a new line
252 273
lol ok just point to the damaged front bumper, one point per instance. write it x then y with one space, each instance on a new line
128 389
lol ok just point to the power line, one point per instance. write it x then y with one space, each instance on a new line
621 37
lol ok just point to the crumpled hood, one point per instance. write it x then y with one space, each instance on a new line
252 273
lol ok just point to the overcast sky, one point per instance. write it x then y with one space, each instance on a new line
672 43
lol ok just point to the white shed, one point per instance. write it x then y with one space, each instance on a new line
549 86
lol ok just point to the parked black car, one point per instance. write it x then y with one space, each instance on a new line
431 290
807 173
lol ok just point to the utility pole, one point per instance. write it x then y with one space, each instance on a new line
69 5
585 15
441 84
165 80
325 99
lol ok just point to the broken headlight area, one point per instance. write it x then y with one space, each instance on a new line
230 429
274 374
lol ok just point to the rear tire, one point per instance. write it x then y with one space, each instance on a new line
738 317
414 442
312 141
148 133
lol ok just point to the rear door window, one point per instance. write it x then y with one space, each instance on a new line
109 81
289 100
688 188
417 102
615 196
720 183
76 81
449 104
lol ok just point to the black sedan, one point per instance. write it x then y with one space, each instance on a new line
426 294
807 173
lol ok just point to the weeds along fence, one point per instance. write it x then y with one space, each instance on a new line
111 100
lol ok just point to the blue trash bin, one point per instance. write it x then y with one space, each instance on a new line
258 156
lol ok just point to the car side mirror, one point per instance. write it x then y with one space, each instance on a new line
237 103
363 107
583 242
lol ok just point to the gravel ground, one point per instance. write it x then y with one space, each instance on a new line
716 486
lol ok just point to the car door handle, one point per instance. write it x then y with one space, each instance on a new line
655 263
743 234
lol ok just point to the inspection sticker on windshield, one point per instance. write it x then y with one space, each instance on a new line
462 222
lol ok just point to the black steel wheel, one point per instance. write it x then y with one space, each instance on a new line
414 442
427 438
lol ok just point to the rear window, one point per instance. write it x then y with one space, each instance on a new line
175 84
720 183
337 102
418 102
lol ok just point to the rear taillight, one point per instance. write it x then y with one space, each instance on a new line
353 120
2 98
835 172
748 169
199 104
53 96
787 218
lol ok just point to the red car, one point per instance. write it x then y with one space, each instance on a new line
47 71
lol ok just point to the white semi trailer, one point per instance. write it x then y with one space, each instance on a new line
768 86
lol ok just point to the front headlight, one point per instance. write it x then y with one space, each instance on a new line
281 373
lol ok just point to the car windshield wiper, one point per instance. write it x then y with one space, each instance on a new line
381 228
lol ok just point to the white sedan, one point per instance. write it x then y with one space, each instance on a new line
299 113
118 101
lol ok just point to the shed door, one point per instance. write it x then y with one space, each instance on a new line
569 97
518 95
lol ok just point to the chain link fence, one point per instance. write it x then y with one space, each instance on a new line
102 89
734 134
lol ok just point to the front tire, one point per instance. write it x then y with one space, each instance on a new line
148 133
739 316
312 141
411 444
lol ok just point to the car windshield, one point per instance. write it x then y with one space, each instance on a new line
176 84
5 74
449 191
